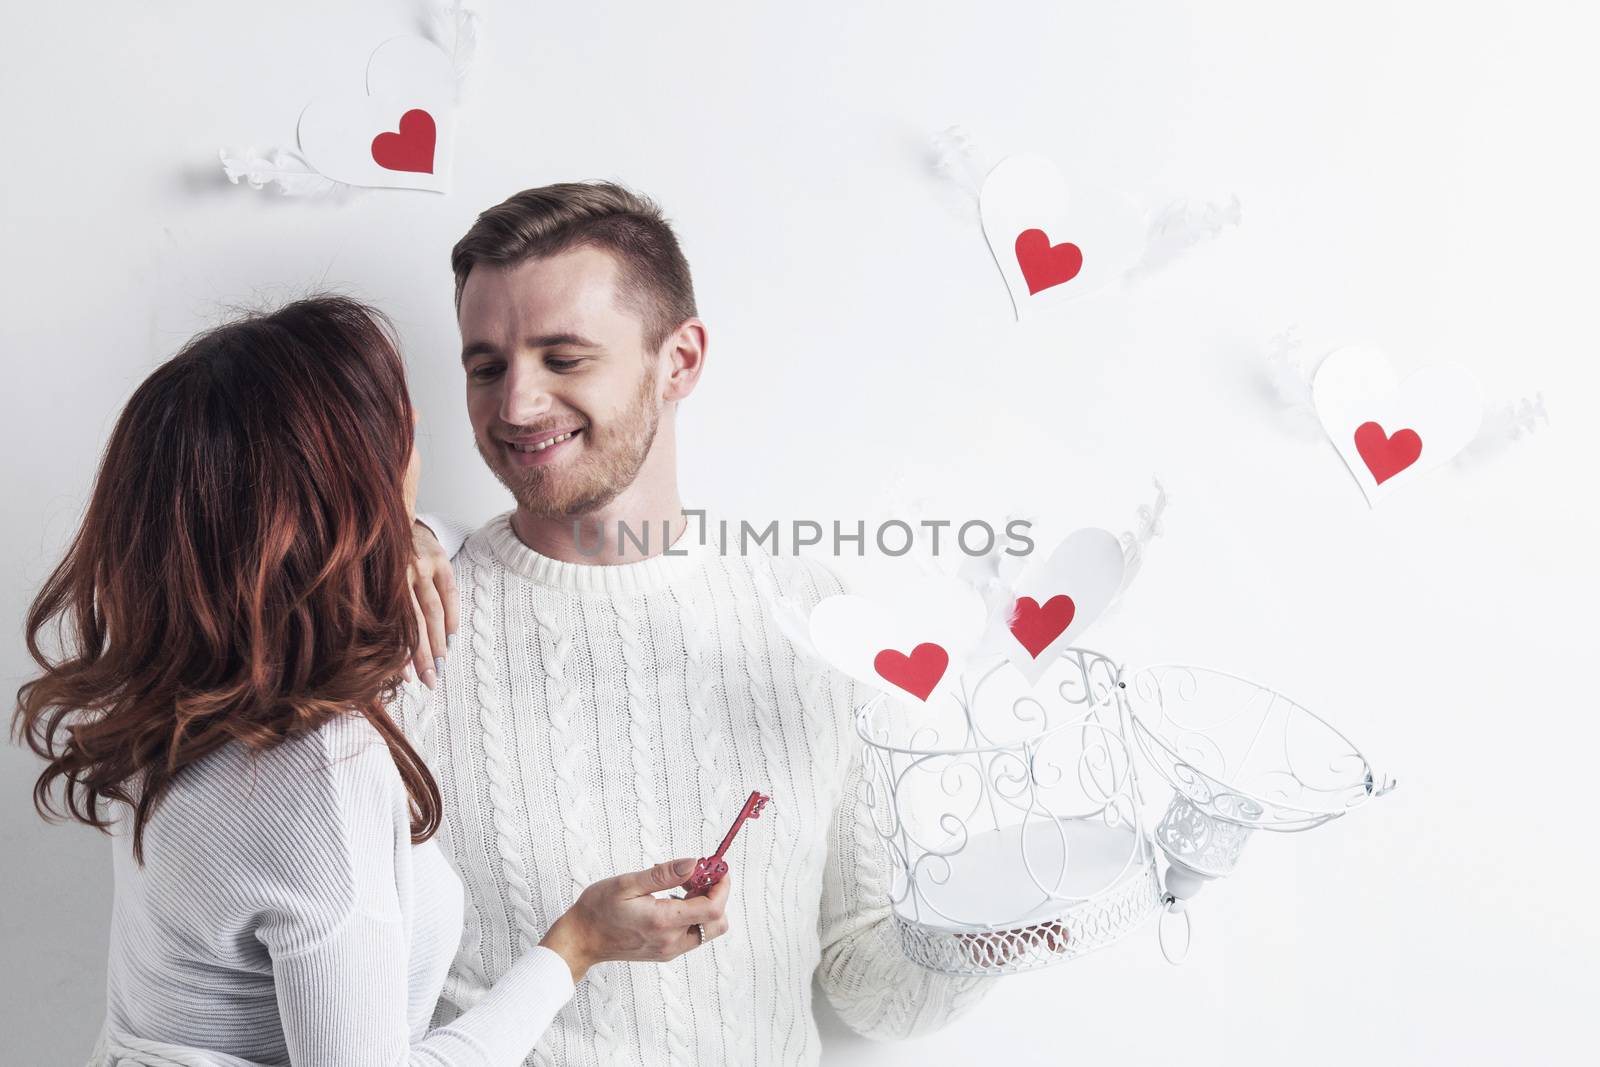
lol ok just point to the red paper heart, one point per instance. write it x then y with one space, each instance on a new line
412 148
1044 264
917 673
1386 456
1035 627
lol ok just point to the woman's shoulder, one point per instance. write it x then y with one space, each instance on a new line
284 842
342 748
304 830
343 745
303 792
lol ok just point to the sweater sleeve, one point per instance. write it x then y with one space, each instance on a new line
341 980
866 976
343 1004
863 971
451 534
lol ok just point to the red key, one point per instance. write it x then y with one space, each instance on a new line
710 869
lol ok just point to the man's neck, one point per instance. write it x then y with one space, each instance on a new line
634 526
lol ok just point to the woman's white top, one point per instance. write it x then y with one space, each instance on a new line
283 916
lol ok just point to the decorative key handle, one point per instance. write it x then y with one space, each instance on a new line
710 869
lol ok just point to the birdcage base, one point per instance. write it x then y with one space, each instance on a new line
1109 879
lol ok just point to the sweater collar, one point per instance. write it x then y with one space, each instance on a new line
687 554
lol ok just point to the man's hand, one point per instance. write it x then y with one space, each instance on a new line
433 598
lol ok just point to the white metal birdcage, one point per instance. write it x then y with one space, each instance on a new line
1240 757
1010 811
1009 815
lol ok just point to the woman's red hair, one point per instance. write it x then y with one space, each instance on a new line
241 571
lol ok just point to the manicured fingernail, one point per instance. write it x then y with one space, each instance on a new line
411 674
449 642
438 664
429 678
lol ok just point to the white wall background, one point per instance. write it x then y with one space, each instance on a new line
1418 176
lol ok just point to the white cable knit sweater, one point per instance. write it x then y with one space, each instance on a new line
596 719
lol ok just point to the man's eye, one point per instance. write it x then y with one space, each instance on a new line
562 364
485 371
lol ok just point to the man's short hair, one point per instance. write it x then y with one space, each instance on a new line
551 219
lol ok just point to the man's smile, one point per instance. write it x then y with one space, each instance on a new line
538 449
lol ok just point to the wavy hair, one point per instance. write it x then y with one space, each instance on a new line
241 570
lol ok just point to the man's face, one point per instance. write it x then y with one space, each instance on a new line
563 402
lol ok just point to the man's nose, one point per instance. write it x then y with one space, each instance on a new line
526 396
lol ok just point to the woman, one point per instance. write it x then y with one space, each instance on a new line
236 614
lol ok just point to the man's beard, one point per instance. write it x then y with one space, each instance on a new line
609 463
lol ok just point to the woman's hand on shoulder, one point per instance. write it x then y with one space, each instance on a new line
433 598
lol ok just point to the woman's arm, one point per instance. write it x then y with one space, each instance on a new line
451 535
344 1004
435 541
348 932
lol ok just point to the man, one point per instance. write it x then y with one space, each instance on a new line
605 706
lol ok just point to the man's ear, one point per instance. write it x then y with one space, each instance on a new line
686 355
